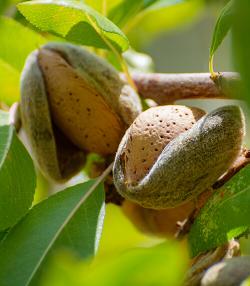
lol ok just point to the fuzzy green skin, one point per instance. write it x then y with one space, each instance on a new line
189 164
102 77
56 162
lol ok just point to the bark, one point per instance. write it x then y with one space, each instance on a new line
168 88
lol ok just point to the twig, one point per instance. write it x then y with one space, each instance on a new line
202 262
167 88
242 161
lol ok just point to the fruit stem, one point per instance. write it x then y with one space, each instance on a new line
116 53
211 68
104 8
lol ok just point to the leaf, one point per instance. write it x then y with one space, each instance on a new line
222 26
75 21
127 9
3 234
13 55
145 25
9 82
17 178
71 218
164 264
99 5
241 44
225 216
3 5
4 118
17 42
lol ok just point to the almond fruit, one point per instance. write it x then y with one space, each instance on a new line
186 165
69 91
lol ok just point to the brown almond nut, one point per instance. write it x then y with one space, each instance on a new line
66 90
77 109
151 132
89 102
186 165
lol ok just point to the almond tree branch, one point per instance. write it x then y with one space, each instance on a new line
167 88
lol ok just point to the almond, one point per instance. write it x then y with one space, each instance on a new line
151 132
186 165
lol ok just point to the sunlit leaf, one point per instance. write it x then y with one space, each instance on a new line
127 9
17 41
9 82
72 219
100 5
225 216
161 265
74 21
17 178
144 26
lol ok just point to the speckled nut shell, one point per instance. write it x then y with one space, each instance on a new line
187 165
89 102
56 156
71 94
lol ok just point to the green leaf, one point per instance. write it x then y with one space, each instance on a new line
3 5
145 25
9 82
3 234
4 118
102 5
127 9
71 218
222 26
241 44
164 264
75 21
17 178
225 216
17 42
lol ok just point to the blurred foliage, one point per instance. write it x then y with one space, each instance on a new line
144 27
164 264
241 44
13 55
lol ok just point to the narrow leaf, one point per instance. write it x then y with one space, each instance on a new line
127 9
241 44
226 215
222 26
161 265
71 218
75 21
17 178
